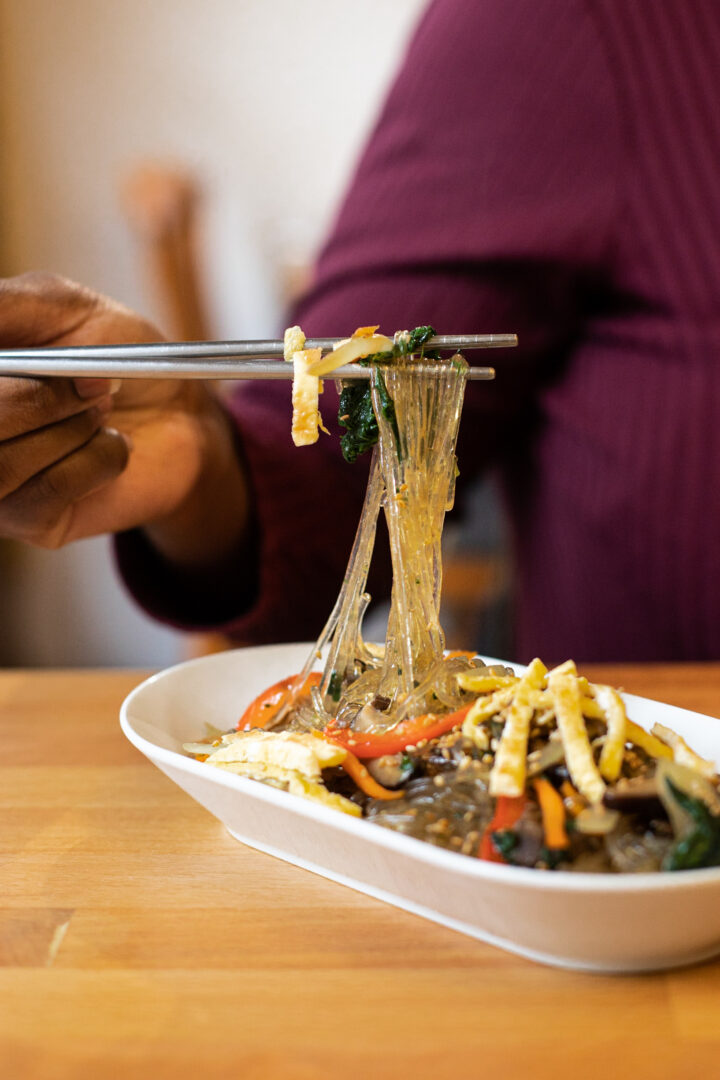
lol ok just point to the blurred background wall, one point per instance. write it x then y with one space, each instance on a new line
237 92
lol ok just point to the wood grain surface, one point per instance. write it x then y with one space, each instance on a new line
137 939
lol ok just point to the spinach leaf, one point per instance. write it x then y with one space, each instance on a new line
356 411
505 840
387 407
419 336
414 342
357 416
553 857
701 847
335 686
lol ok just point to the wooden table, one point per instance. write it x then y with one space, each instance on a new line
137 939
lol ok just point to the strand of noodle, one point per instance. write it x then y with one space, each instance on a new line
390 458
345 644
353 586
428 411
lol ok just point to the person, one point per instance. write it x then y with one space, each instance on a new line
540 166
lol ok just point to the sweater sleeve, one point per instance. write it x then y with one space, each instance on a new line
483 202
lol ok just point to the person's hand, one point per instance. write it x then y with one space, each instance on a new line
82 457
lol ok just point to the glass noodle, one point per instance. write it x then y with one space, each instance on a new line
412 476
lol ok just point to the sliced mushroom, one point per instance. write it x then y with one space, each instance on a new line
391 770
636 796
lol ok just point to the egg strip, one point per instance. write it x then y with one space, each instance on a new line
578 752
510 768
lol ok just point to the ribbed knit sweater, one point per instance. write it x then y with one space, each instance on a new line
550 167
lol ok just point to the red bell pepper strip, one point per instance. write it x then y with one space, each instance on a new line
369 744
508 811
266 706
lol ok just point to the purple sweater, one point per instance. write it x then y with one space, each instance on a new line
550 167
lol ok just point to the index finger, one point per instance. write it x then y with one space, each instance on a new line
38 308
27 404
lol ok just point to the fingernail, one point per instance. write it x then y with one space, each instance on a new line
115 385
90 388
126 438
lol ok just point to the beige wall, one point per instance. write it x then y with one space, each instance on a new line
267 100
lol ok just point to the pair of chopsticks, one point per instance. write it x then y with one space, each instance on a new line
208 359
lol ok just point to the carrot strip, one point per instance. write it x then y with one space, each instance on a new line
553 814
359 773
355 769
574 800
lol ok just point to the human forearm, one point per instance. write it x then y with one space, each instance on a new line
212 520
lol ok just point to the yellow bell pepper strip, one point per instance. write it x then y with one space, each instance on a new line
508 811
553 814
369 744
613 749
263 710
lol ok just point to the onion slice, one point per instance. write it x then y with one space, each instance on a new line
348 351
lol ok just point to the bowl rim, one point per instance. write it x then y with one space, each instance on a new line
553 881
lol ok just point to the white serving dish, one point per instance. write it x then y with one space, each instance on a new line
593 922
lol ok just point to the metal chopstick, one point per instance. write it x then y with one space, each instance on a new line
205 359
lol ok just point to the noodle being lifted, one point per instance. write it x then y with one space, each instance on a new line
543 769
412 405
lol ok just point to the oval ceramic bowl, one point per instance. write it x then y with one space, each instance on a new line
594 922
